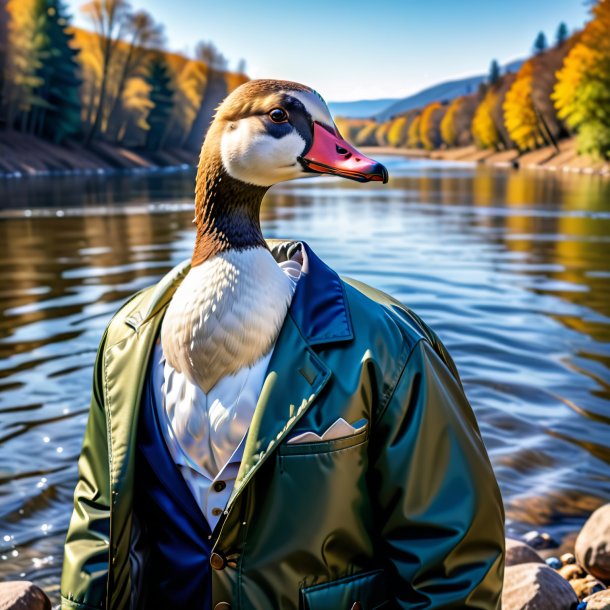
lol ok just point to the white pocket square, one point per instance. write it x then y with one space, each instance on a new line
338 429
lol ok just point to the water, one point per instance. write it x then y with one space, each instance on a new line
512 269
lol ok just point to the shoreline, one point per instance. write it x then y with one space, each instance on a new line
26 156
546 158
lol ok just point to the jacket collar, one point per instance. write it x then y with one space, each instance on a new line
318 308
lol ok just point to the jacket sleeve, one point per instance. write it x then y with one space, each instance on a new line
86 554
437 500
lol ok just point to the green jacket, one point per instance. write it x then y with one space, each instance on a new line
405 514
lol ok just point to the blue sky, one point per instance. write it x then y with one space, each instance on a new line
350 50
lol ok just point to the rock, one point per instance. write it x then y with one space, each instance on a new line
539 540
599 601
22 595
567 558
518 552
583 587
593 544
535 586
572 571
554 562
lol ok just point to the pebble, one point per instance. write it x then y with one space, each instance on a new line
567 558
22 595
593 544
572 571
598 601
518 552
554 562
539 540
583 587
535 586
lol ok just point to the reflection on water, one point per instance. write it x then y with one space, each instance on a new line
511 269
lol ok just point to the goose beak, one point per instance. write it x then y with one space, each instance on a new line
331 154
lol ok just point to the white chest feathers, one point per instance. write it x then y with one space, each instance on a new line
225 315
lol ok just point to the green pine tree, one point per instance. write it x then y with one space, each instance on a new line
540 44
56 105
161 95
494 72
562 33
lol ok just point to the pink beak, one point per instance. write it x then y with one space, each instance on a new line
331 154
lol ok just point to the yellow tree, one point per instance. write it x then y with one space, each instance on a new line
582 92
397 133
484 130
413 139
520 118
22 61
381 134
429 125
366 136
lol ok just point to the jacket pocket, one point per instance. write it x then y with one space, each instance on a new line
335 444
367 589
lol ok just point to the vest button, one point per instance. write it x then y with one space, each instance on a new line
219 486
222 606
217 561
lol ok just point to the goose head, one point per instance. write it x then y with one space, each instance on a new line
263 133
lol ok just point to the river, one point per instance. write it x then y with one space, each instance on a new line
511 268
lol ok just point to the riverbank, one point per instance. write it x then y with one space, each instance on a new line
24 155
548 158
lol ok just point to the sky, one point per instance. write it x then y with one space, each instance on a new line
356 49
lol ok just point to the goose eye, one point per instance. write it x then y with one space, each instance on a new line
278 115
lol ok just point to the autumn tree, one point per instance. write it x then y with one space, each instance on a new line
457 122
3 52
562 34
520 116
582 93
381 133
141 34
109 19
413 137
484 128
366 136
397 133
214 92
540 44
21 62
429 125
161 95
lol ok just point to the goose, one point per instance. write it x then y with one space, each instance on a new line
222 322
227 312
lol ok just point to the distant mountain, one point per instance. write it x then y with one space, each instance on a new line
383 109
361 109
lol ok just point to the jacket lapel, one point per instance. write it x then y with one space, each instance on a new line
296 375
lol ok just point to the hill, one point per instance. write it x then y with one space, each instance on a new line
383 109
361 109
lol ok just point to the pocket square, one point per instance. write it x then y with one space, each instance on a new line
337 429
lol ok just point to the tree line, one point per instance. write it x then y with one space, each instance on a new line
561 90
115 83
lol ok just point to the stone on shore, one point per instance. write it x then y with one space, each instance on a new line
598 601
593 544
518 552
535 586
22 595
572 572
583 587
